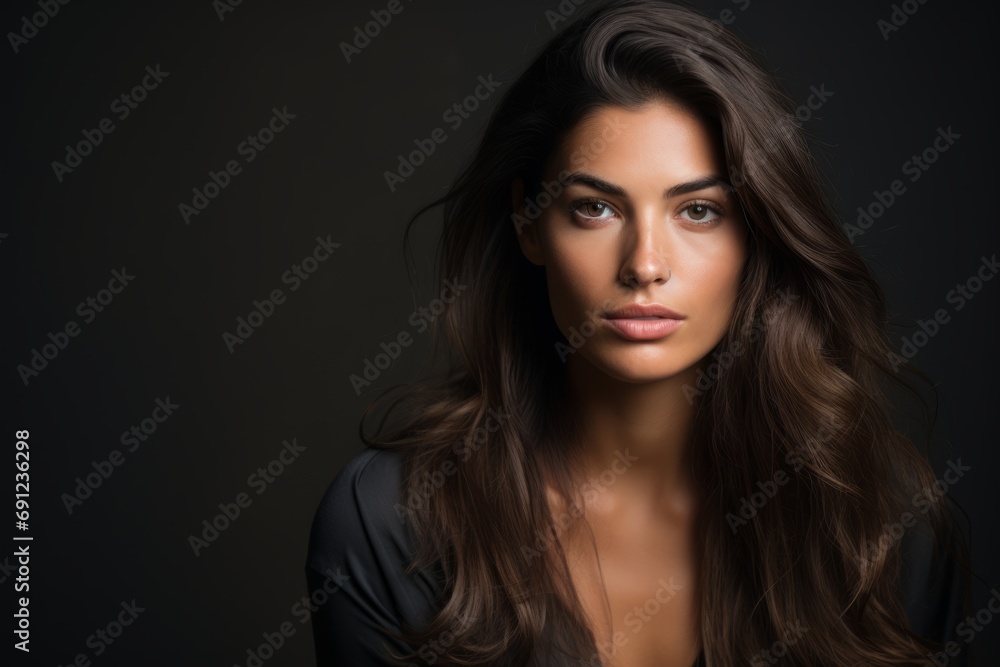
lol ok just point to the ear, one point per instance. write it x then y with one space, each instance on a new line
525 228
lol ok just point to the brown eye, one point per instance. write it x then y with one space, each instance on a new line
591 209
702 214
699 212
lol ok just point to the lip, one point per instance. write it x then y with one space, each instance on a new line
638 310
643 322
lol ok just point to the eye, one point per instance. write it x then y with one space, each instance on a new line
589 210
703 213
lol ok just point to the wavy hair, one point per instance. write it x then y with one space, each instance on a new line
807 386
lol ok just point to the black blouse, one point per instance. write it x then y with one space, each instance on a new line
360 545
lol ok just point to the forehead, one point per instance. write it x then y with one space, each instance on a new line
659 139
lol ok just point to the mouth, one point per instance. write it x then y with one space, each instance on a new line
643 322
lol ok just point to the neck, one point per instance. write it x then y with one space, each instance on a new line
640 432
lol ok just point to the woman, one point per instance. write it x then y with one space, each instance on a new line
662 440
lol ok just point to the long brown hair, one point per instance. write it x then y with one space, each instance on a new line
801 387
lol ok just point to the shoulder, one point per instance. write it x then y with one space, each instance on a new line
358 502
359 535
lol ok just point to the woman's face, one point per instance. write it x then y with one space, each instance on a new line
640 216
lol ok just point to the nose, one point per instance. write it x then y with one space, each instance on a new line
646 257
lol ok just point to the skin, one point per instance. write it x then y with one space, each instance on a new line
638 246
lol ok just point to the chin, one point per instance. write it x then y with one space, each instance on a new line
642 368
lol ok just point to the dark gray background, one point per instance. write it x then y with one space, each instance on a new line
323 175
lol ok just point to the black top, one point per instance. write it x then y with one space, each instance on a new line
360 545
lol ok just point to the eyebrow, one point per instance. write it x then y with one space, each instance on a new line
702 183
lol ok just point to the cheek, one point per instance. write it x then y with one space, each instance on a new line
707 268
577 270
